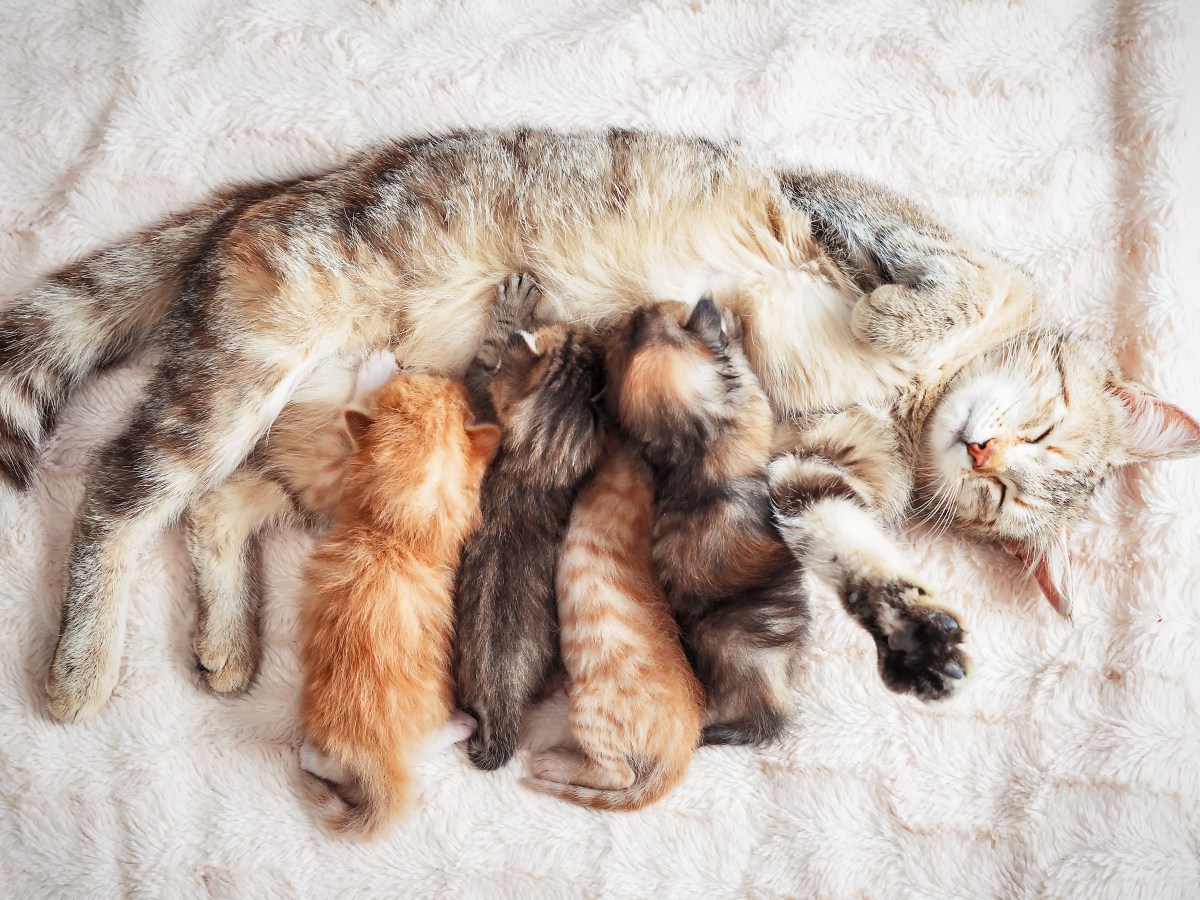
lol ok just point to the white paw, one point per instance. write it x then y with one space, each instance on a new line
77 693
460 727
376 370
550 766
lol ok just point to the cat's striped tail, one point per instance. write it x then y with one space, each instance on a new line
653 782
90 315
358 803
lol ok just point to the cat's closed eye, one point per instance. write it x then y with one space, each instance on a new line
1041 437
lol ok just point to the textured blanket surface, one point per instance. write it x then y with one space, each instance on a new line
1059 133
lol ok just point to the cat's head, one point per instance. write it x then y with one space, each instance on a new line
680 386
418 461
545 390
1022 436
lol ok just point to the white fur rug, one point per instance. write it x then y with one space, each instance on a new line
1070 763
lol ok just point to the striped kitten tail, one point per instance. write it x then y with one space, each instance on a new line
90 315
652 784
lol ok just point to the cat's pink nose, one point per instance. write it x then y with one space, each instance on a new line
980 452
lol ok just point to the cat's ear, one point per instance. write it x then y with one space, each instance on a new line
1050 566
484 441
357 423
706 322
1152 427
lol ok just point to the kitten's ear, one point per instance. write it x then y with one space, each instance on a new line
706 322
1050 566
523 341
1154 428
357 422
484 440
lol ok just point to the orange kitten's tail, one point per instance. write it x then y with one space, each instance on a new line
653 782
359 801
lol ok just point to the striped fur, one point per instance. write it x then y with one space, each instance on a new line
848 295
635 705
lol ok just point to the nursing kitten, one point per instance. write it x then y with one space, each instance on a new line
852 299
506 650
681 390
294 477
377 629
635 704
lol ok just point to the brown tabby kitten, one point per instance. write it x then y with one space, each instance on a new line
507 647
682 391
377 630
635 705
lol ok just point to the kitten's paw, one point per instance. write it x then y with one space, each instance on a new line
553 765
374 372
460 727
919 645
226 662
76 692
488 754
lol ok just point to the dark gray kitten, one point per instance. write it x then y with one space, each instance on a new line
506 649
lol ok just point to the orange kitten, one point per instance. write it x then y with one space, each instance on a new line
379 623
635 704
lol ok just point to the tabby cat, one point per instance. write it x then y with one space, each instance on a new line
506 650
635 705
854 303
377 626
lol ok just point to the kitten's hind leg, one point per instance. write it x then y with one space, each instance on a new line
572 767
822 516
223 534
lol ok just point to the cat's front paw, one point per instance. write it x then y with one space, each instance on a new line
919 644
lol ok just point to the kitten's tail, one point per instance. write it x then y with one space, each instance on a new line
358 801
653 782
90 315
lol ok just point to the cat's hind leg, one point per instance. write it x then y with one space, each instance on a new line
565 766
206 408
223 539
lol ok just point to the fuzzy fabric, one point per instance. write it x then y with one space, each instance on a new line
1056 133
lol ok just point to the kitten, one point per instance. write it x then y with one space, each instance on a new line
377 630
853 300
681 390
635 704
507 647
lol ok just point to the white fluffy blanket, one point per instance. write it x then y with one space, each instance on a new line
1053 131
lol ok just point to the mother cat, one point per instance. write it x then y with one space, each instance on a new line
253 293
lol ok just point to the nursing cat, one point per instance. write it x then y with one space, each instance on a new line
848 295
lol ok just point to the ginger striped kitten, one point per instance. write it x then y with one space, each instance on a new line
858 309
377 629
506 652
635 705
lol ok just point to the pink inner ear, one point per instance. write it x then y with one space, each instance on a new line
1154 428
1038 566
